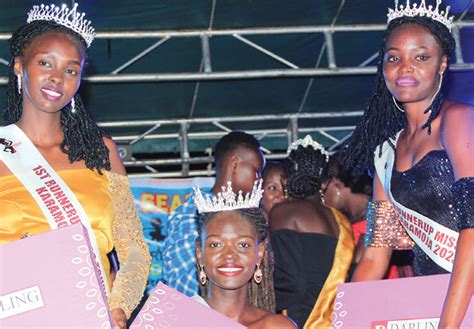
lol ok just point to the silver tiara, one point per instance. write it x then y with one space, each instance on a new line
69 18
308 141
421 10
226 200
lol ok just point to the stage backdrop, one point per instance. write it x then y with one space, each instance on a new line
155 199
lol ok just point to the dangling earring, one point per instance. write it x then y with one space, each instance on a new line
439 87
258 276
397 106
73 106
202 276
18 81
428 110
338 191
321 194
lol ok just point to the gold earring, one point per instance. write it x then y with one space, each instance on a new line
285 193
321 194
202 276
258 275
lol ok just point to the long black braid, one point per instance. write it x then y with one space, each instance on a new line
381 120
306 169
83 139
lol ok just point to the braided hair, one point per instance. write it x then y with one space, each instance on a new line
260 295
381 120
83 139
306 169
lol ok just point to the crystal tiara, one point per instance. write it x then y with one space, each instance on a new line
308 141
421 10
69 18
226 200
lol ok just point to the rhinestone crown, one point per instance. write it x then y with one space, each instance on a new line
69 18
412 10
227 199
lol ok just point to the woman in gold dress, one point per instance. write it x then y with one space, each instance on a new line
48 58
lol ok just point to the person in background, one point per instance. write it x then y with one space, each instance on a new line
273 194
312 243
273 186
351 195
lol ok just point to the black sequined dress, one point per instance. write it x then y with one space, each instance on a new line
425 188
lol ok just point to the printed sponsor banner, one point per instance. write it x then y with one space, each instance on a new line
155 199
431 323
168 308
408 303
49 281
20 301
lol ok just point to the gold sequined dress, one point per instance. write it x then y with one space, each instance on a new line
108 202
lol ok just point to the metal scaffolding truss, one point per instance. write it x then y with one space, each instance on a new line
183 134
206 73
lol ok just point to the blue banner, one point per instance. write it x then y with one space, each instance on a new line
155 199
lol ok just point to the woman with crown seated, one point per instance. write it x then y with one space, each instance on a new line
51 133
229 249
419 145
312 243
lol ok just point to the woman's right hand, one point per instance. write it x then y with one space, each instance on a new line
119 318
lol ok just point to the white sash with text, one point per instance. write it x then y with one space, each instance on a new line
59 204
436 240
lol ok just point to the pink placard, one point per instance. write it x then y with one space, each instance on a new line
168 308
394 304
48 281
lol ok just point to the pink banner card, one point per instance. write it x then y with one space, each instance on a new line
168 308
48 281
394 304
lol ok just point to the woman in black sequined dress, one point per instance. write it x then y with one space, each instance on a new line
431 139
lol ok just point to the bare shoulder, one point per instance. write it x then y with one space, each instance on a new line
456 125
301 216
271 320
278 217
457 137
286 215
456 115
116 164
4 171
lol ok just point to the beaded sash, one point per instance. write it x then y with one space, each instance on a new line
437 241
